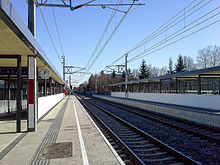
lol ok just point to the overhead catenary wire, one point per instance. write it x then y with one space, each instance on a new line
163 28
175 34
102 36
110 36
167 25
49 34
55 21
107 41
178 39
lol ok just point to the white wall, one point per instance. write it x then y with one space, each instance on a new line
202 117
47 102
12 105
201 101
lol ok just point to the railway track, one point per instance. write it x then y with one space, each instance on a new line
205 132
141 147
187 141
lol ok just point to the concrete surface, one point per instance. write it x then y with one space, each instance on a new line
97 150
193 100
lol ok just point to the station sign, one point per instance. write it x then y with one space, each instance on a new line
12 71
167 81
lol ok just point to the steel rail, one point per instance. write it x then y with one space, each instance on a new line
176 154
195 133
122 144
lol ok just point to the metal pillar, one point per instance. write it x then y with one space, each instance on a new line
126 75
63 57
160 86
54 87
18 112
32 94
96 84
45 87
70 80
139 87
148 87
8 94
50 86
176 85
32 17
219 85
199 85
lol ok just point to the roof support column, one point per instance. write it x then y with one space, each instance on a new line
126 75
176 85
50 79
139 87
219 85
54 87
8 94
148 87
160 86
199 85
18 112
32 94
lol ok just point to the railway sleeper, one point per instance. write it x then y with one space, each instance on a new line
159 160
140 147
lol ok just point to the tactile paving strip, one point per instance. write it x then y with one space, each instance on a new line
50 137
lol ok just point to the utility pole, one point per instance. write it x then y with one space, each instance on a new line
96 84
32 17
70 80
126 75
63 62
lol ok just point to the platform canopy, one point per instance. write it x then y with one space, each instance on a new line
213 72
16 39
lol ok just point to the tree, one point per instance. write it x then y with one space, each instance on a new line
113 74
123 76
144 71
179 66
163 71
102 73
189 63
170 71
208 57
154 71
91 83
135 73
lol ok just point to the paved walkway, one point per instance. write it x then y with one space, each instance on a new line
66 135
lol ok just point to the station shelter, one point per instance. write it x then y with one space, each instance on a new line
201 81
24 93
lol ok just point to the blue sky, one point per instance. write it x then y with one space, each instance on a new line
81 29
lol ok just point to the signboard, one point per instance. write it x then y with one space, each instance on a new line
45 74
13 71
167 81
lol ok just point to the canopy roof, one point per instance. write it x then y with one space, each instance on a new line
16 39
208 72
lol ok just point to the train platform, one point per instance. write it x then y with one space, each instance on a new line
66 135
204 116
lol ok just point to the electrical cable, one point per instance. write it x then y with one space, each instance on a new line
102 36
49 34
174 36
179 39
165 26
57 30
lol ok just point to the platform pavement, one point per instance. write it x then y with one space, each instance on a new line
60 125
